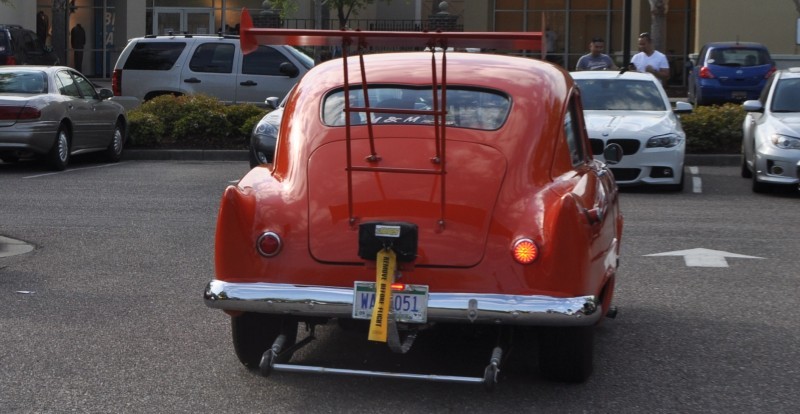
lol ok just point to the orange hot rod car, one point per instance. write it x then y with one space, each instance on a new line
414 189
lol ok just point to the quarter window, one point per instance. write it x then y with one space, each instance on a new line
66 85
572 133
154 55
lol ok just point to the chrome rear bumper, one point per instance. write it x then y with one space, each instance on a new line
337 302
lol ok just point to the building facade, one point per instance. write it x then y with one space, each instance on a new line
571 23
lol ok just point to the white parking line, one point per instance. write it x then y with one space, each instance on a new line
697 182
72 170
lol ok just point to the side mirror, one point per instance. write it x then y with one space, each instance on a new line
683 107
105 93
612 153
288 69
272 102
753 106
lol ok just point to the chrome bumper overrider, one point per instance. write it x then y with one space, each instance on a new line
336 302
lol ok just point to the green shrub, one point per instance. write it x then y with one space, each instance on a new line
714 129
202 128
240 117
192 121
165 107
144 129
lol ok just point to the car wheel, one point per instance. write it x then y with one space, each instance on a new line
254 333
746 173
566 353
115 147
58 157
258 158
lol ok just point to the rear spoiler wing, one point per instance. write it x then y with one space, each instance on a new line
251 37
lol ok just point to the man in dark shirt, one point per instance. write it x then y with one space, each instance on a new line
596 59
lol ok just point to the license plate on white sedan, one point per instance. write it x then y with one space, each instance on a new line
409 302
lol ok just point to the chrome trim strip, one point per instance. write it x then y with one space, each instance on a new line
337 302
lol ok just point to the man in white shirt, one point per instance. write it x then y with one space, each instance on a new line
650 60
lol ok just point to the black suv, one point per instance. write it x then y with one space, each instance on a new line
19 46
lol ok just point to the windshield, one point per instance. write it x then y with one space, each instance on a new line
23 81
785 96
466 107
620 95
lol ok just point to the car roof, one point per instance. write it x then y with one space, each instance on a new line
511 74
43 68
733 44
793 72
612 74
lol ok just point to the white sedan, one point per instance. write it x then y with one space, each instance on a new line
632 109
771 133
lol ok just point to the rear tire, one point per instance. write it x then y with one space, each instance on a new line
746 173
254 333
116 146
566 354
58 156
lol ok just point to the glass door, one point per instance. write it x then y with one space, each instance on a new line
176 21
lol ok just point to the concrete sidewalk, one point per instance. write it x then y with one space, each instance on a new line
241 155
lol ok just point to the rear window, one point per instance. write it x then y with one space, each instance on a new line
620 95
466 107
23 82
738 57
154 55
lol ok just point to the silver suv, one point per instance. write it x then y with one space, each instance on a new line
212 65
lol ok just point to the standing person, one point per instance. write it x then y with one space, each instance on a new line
596 59
649 59
77 39
42 27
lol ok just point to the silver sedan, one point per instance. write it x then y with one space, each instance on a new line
54 112
771 133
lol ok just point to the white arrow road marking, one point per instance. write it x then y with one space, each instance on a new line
705 257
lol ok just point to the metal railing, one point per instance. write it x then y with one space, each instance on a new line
379 24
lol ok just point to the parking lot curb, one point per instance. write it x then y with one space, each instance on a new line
186 155
713 160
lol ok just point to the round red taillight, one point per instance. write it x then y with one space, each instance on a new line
268 244
525 251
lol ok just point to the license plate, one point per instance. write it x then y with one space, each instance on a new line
739 95
409 305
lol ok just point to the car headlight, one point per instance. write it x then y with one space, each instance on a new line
785 141
265 128
664 141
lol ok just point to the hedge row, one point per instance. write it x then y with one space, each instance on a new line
198 121
714 129
191 121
